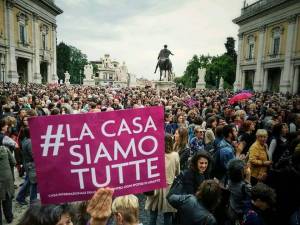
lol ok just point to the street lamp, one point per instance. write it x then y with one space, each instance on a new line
3 69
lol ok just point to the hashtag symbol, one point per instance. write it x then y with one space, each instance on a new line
49 137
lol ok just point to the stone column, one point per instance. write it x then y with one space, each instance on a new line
258 77
29 71
285 84
296 80
49 76
265 82
12 74
237 84
37 78
54 59
243 79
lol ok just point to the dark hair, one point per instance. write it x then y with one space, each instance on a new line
277 128
210 121
3 122
227 129
236 170
196 157
168 143
26 132
219 131
45 214
264 193
209 193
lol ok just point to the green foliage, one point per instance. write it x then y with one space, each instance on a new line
216 67
63 60
190 76
70 59
220 66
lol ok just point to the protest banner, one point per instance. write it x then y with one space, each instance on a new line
77 154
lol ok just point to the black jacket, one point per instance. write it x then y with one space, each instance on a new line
191 210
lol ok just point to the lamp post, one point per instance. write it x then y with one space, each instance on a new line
3 69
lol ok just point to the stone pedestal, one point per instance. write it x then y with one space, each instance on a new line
164 85
87 82
122 84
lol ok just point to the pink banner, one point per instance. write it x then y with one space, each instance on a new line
77 154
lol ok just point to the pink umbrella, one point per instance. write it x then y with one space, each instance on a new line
239 97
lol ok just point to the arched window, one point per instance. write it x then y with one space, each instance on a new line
276 41
251 47
22 25
44 36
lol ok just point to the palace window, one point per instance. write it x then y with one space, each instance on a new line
22 22
44 36
110 76
251 47
276 39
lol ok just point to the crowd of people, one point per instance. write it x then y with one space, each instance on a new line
235 163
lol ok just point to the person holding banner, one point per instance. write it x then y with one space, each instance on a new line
158 202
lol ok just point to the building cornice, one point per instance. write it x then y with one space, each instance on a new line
50 5
260 7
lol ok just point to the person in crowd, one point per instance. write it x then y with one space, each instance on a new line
279 142
197 142
181 121
247 138
30 179
284 178
181 146
210 129
39 214
157 203
199 170
198 208
170 126
225 152
239 175
258 157
7 162
263 198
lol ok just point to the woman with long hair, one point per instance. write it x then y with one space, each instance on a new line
198 171
181 146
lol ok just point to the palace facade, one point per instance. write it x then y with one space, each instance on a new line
28 41
269 46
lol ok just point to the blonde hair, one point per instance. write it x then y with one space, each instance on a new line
128 207
261 132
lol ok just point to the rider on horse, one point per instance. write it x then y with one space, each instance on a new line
164 56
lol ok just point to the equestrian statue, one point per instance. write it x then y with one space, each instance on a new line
164 63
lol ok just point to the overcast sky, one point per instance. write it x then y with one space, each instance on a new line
135 30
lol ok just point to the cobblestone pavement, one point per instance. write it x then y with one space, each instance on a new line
18 210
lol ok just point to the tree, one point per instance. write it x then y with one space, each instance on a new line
220 66
230 48
190 76
70 59
63 60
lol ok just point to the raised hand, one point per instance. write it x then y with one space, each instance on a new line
99 207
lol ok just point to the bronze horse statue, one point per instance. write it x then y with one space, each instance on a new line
165 66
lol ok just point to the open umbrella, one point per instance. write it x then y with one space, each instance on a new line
239 97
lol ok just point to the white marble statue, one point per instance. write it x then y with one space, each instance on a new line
201 78
221 84
67 78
